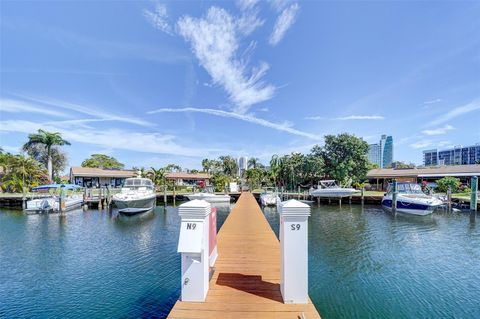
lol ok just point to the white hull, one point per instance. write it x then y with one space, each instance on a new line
420 205
268 199
211 198
333 192
70 204
146 202
50 204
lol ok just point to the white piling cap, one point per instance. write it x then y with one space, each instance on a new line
194 209
294 207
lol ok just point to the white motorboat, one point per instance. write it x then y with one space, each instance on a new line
50 202
329 188
209 196
268 198
137 196
411 200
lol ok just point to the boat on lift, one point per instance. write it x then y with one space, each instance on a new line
209 196
137 196
269 197
330 189
411 200
50 202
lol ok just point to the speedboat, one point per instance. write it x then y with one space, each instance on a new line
411 200
137 196
51 202
209 196
268 198
329 188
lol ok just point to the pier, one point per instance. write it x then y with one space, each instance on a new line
246 281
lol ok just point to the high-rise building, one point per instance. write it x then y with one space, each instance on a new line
458 155
381 153
374 154
242 165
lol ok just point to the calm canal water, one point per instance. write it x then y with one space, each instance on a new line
363 264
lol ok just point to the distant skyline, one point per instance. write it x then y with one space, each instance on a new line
153 83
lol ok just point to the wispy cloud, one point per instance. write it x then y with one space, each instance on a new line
159 18
432 101
347 118
458 111
284 21
439 131
113 138
284 127
215 43
422 144
18 106
76 108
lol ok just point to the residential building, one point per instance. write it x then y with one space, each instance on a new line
458 155
96 177
379 178
381 153
189 179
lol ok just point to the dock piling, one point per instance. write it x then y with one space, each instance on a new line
474 194
449 199
394 196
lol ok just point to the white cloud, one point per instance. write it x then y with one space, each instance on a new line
17 106
159 18
215 43
284 127
439 131
89 110
422 144
246 4
432 101
112 138
284 21
458 111
347 118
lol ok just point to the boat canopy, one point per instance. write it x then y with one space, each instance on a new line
48 186
138 182
405 187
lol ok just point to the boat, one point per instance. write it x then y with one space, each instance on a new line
329 188
268 198
411 200
137 196
209 196
51 202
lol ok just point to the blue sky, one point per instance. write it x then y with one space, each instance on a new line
153 83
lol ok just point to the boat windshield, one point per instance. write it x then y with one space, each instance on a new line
328 184
138 182
407 188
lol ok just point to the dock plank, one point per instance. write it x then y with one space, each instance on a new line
246 283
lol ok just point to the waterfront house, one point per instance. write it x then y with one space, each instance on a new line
379 178
189 179
96 177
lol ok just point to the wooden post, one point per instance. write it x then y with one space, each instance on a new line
394 196
165 194
350 200
363 195
449 198
173 195
340 201
318 200
474 194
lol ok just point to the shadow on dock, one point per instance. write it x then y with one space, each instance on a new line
252 284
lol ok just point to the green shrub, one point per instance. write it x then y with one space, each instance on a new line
444 183
467 190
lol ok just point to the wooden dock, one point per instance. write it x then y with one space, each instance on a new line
246 283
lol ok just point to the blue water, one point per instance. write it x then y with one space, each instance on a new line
364 263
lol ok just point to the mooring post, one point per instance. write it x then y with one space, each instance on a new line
394 196
165 194
61 201
363 195
449 198
294 251
173 195
474 194
194 245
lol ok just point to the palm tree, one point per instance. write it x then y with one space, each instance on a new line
47 139
158 176
254 163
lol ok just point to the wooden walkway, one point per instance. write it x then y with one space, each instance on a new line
246 283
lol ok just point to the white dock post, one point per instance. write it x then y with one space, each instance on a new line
294 251
193 244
